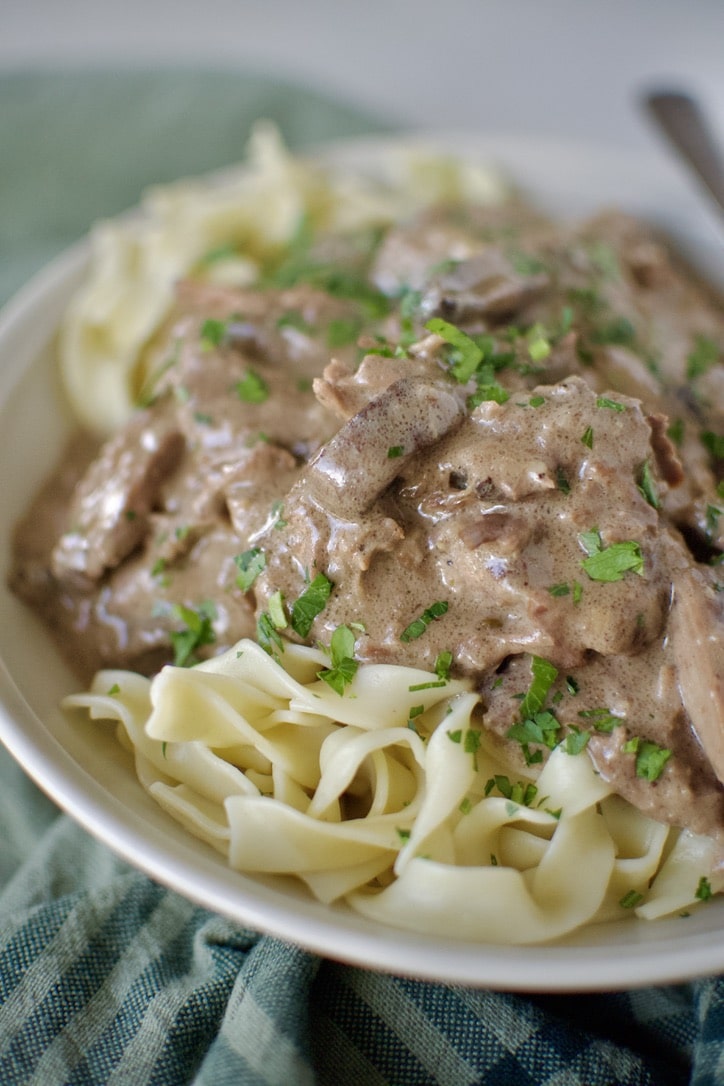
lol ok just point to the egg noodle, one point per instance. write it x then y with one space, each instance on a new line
224 233
389 796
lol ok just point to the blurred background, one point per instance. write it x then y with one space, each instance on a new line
562 67
99 97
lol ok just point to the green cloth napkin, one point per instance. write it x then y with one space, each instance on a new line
107 977
78 146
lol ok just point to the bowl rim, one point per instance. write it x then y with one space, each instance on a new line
576 965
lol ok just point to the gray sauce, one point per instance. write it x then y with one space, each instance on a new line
551 495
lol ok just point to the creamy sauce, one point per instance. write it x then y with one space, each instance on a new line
467 511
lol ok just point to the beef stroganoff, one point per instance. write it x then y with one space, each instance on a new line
391 542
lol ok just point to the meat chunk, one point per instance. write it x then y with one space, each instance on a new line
109 515
697 634
362 459
484 286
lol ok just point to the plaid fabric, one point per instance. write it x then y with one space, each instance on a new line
105 977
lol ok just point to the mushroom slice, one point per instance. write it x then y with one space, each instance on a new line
697 633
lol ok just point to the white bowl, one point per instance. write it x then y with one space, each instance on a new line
83 769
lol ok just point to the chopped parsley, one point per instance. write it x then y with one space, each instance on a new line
703 891
311 603
647 485
544 675
619 331
522 793
631 899
602 719
417 628
712 520
676 431
198 631
427 686
267 634
252 388
277 611
704 355
564 589
576 740
561 589
493 392
612 405
587 437
409 304
650 757
465 356
158 569
443 663
713 443
536 724
341 332
604 259
609 564
538 343
541 728
562 481
471 744
344 666
395 451
249 565
277 512
213 333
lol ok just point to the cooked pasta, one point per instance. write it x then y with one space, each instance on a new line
389 798
421 494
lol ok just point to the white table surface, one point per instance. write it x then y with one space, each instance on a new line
568 68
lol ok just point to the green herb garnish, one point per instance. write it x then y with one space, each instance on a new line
575 740
465 356
521 792
443 663
704 355
277 611
703 891
544 675
249 565
341 332
612 405
619 331
199 631
609 564
252 388
344 666
213 333
650 757
647 485
417 628
267 633
602 719
311 603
